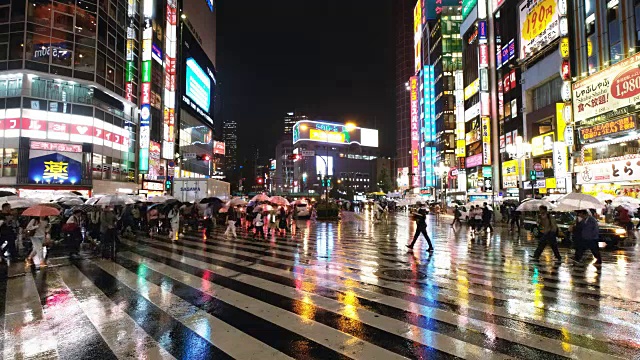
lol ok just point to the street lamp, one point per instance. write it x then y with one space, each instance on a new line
521 150
442 170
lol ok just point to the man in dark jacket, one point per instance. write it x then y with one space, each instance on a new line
8 234
588 236
421 228
549 230
487 214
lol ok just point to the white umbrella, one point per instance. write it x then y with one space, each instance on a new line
578 201
160 199
71 202
260 197
19 203
534 205
114 200
236 201
625 200
279 200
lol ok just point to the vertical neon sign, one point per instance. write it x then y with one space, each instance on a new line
131 36
415 137
169 113
145 88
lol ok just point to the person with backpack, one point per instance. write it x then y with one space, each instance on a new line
586 237
421 228
457 214
549 231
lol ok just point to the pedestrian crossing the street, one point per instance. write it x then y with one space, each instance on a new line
327 292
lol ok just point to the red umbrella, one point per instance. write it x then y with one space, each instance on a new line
40 210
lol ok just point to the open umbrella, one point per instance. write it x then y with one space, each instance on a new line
263 208
84 208
279 200
161 199
534 205
40 210
625 200
114 200
19 203
604 196
260 197
578 201
52 205
236 201
211 200
4 193
72 202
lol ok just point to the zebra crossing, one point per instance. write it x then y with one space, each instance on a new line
327 292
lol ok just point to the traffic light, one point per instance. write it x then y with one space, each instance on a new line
167 185
294 157
260 180
203 157
532 175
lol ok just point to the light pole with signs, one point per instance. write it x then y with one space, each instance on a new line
520 150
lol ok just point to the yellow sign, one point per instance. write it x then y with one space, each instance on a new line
538 18
564 47
550 183
589 47
328 136
510 168
460 148
55 170
542 144
472 89
561 124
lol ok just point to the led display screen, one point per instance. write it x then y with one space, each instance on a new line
198 86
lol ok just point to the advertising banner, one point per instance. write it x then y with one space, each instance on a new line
415 137
560 160
486 141
474 160
62 165
610 171
607 93
417 36
609 128
219 147
337 133
510 174
199 83
539 25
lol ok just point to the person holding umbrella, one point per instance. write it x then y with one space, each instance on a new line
108 233
232 217
174 221
39 227
73 227
549 230
585 236
8 234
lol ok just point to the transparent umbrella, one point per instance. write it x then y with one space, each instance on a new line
114 200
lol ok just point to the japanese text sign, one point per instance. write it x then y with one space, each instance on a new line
608 128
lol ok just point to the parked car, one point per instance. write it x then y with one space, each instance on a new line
609 234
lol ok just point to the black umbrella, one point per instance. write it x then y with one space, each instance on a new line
211 200
7 193
84 208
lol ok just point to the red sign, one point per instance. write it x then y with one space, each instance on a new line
608 128
146 93
32 124
99 133
565 70
58 127
42 145
218 147
415 132
81 130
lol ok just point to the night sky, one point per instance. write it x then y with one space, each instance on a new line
330 59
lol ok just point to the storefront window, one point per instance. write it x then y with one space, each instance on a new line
85 24
10 162
85 58
96 172
39 12
62 21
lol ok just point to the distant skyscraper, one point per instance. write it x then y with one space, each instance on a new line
403 27
291 119
230 136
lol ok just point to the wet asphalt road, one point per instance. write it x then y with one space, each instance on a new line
328 292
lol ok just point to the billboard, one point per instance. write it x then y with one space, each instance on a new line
539 25
432 8
198 85
415 131
333 133
624 169
467 6
168 120
417 35
609 93
324 163
54 163
219 147
609 128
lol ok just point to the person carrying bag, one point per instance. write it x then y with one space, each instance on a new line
549 230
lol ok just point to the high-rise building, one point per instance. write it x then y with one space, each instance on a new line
403 28
284 179
605 61
289 121
69 120
230 137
